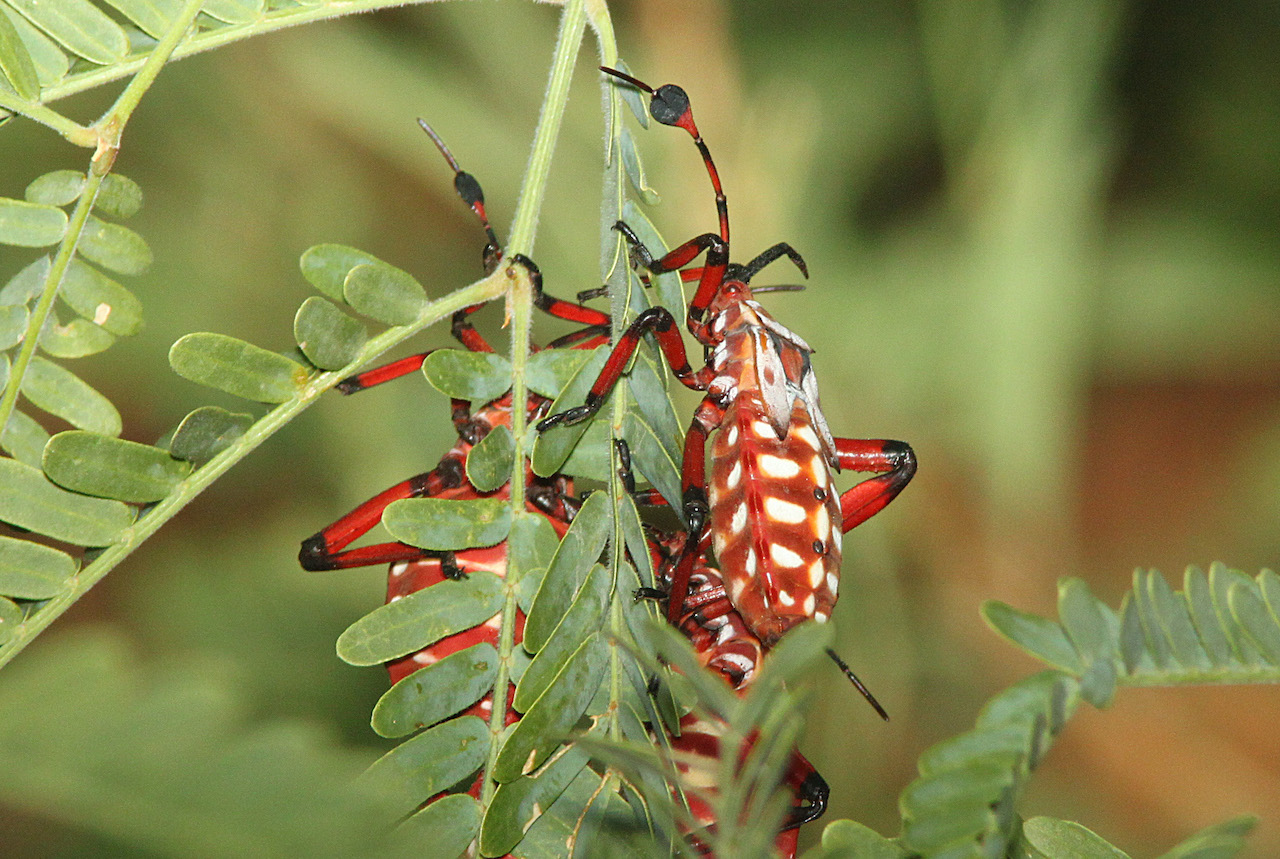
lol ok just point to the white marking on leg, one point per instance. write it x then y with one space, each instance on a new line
399 569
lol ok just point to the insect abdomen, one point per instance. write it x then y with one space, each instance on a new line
775 519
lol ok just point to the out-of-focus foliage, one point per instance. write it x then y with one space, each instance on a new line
1044 247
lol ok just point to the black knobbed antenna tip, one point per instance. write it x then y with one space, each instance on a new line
670 103
853 678
463 182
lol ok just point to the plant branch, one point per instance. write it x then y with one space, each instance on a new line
186 491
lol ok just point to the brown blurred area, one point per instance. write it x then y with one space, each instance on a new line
1044 245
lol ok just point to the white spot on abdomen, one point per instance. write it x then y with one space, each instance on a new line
783 556
776 466
786 512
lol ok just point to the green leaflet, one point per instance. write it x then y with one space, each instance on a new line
518 804
112 468
475 376
24 439
328 337
437 691
965 793
29 500
114 246
100 299
206 432
554 446
669 289
151 16
60 392
326 267
385 293
16 64
1199 597
13 324
551 718
10 616
444 828
548 371
551 833
27 283
31 571
585 615
1258 623
50 62
75 339
651 459
78 26
57 188
1175 623
119 195
30 225
1066 838
1219 841
1039 636
236 367
489 462
635 169
592 457
579 551
848 839
444 524
649 389
234 11
438 758
421 619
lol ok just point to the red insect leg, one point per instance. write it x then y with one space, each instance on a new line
895 461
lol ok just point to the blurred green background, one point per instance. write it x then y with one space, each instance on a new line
1044 248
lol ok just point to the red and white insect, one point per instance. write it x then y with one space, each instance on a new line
725 645
775 516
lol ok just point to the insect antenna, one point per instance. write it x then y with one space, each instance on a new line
861 687
468 188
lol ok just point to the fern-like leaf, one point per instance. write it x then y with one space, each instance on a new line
1220 628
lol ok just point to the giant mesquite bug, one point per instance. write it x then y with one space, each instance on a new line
413 569
769 502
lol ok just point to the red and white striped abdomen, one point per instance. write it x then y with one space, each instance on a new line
775 518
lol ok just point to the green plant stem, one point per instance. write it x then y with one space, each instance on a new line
520 311
186 491
534 188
